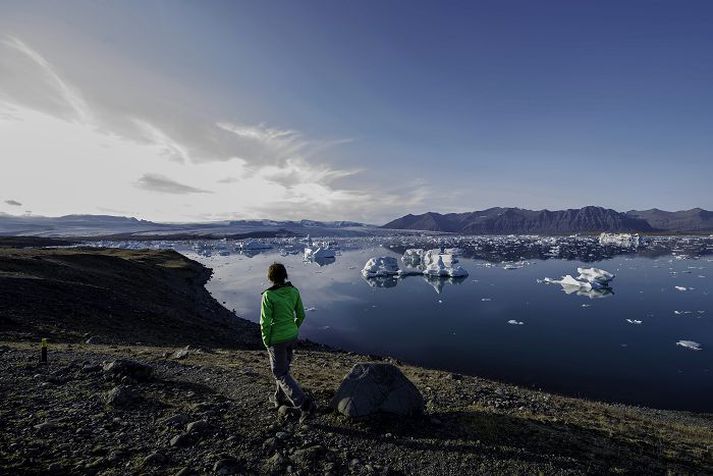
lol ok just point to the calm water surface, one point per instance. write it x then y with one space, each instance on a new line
569 344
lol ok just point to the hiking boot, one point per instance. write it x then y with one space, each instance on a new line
307 410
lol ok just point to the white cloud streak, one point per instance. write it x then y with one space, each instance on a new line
150 163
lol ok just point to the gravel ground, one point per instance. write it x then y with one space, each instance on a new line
206 411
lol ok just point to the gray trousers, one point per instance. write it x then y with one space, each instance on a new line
288 390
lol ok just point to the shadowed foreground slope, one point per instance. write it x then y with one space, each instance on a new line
116 296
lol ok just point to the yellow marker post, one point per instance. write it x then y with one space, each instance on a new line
43 358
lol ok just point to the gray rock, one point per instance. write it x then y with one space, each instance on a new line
227 465
131 369
372 388
308 457
275 464
48 425
181 440
174 420
155 459
182 353
121 396
199 427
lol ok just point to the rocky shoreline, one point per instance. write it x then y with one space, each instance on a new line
119 407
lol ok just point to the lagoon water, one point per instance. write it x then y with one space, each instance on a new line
570 344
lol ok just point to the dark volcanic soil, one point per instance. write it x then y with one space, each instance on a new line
56 418
113 296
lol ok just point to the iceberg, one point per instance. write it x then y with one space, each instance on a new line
432 263
681 288
634 321
689 344
381 266
620 240
253 245
318 253
595 276
515 323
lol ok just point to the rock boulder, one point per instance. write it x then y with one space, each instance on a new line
372 388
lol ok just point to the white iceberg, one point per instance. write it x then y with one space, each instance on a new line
634 321
689 344
318 253
253 245
681 288
515 323
381 266
595 276
621 240
439 268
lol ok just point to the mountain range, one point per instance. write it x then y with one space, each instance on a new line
119 227
591 219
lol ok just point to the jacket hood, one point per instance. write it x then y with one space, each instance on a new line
275 287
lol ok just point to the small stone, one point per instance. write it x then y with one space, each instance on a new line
198 427
182 353
227 465
281 435
174 420
155 459
182 440
275 463
121 368
121 396
47 426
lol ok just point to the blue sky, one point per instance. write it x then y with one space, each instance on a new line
364 110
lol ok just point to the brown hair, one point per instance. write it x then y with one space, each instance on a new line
277 273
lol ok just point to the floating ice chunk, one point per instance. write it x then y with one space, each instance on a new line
380 267
621 240
253 245
595 276
680 313
515 323
586 305
689 344
634 321
439 268
412 256
486 299
310 309
681 288
318 253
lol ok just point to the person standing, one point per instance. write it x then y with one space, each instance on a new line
281 315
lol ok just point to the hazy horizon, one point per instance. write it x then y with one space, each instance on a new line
195 112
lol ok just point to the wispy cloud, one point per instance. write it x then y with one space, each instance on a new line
68 93
257 169
163 184
168 147
13 203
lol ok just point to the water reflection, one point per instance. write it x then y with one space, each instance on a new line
438 283
323 261
594 293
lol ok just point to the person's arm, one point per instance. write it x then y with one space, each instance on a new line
266 320
299 310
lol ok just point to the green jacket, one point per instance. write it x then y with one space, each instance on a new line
281 314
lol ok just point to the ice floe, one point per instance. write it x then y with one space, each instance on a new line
689 344
681 288
381 266
621 240
591 282
515 323
634 321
